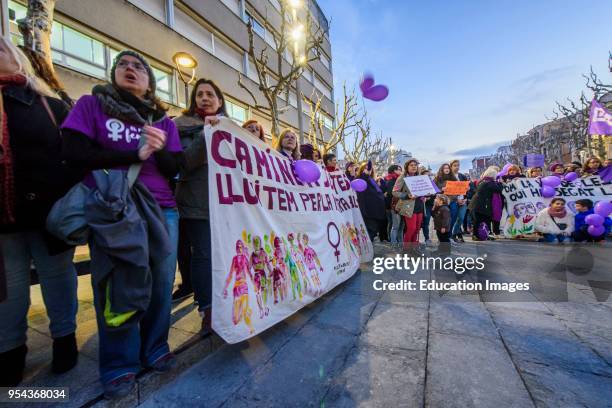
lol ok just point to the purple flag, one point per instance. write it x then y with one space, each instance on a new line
600 119
435 187
606 173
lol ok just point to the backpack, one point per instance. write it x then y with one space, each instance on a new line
482 232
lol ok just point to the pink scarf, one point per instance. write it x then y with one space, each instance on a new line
557 213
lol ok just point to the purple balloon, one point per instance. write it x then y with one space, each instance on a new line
603 208
594 219
551 181
571 176
307 171
548 191
359 185
367 81
596 230
376 93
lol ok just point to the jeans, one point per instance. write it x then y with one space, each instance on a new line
198 232
553 238
426 219
396 228
457 216
58 282
122 351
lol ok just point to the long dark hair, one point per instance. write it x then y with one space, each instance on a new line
441 177
191 110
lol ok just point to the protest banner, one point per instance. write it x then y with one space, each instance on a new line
420 186
600 119
523 201
533 160
277 244
456 187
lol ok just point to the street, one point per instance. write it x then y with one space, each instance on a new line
550 346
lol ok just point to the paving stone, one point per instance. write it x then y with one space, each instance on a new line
375 377
349 312
455 315
466 371
395 326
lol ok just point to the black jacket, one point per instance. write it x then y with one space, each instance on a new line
371 202
483 199
41 177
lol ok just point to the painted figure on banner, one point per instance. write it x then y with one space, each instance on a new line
262 276
298 259
345 231
296 285
313 264
364 239
279 271
239 270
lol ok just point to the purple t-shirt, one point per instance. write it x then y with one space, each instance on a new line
89 118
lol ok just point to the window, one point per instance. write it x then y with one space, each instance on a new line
16 13
257 26
276 5
164 85
325 61
236 112
325 90
78 51
155 8
252 71
192 30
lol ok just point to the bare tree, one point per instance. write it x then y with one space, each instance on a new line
36 31
345 123
273 83
364 145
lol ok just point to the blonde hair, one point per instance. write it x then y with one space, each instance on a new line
491 171
444 198
363 168
24 67
279 145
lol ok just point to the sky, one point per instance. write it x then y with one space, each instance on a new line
466 76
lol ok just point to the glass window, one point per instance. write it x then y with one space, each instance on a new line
78 51
164 85
236 112
257 26
16 13
325 90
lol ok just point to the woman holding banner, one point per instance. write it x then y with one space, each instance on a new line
288 145
255 129
409 206
372 203
592 167
206 104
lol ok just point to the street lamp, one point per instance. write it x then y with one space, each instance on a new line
184 60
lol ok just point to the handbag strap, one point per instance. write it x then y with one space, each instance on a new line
45 103
134 169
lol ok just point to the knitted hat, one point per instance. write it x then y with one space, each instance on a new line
554 166
143 61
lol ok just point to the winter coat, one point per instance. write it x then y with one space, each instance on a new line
482 202
192 187
41 177
371 201
390 183
442 218
544 223
402 192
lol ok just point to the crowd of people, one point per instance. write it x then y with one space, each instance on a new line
47 148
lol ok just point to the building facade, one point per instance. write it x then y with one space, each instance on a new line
87 34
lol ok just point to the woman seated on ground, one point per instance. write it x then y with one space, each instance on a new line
555 222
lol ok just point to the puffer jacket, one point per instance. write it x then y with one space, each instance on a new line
192 187
544 223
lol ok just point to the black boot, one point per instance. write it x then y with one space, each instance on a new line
12 363
65 354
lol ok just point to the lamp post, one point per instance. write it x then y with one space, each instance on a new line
297 34
185 60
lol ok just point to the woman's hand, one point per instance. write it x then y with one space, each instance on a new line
155 138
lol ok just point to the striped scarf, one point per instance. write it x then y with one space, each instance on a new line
7 179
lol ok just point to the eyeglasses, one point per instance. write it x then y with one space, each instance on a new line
123 64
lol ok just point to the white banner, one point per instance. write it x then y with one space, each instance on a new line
420 186
524 201
277 244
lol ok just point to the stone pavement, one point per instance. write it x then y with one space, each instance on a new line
551 346
359 347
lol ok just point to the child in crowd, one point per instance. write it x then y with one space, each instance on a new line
442 217
555 222
584 208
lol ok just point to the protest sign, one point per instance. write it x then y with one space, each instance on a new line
277 244
456 187
523 201
533 160
420 186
